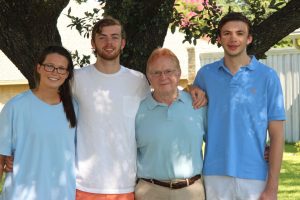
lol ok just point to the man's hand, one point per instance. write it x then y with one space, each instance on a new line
198 96
8 163
268 195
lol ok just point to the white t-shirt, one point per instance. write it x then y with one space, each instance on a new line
106 147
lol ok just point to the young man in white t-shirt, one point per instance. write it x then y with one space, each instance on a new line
108 95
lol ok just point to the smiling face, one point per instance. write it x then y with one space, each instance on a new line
234 37
109 43
164 75
48 79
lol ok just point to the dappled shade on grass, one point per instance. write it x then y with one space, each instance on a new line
289 184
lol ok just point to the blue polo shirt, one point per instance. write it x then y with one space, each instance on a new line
169 138
239 110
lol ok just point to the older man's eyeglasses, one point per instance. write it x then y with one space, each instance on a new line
167 73
51 68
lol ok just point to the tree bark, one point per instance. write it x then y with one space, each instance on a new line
146 24
27 27
274 28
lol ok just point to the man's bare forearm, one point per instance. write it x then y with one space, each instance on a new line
276 151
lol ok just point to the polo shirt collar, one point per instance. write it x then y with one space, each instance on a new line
152 103
251 66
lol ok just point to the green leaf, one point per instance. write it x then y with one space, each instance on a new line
69 11
173 28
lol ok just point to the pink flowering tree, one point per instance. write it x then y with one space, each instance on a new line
199 19
196 18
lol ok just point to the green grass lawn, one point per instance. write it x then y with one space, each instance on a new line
289 186
1 183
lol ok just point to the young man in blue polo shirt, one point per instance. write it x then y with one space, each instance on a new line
245 101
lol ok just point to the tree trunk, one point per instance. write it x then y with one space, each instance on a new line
27 27
146 24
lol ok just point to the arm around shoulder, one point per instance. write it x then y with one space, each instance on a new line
198 96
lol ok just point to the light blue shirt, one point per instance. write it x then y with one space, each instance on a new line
239 110
43 145
169 138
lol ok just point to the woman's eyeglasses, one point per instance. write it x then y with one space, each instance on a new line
51 68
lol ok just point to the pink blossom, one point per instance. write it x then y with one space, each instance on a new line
184 22
191 14
194 1
200 7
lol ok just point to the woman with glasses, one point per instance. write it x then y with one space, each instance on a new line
37 128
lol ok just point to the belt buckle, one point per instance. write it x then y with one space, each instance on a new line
187 182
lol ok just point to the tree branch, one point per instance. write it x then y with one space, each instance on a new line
274 28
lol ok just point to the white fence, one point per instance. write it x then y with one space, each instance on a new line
287 64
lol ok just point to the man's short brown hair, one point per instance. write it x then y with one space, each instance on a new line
107 21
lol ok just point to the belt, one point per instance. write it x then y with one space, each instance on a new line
174 184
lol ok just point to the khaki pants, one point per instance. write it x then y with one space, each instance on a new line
149 191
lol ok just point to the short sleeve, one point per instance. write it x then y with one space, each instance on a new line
275 99
6 130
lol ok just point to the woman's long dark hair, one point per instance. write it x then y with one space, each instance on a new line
65 89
